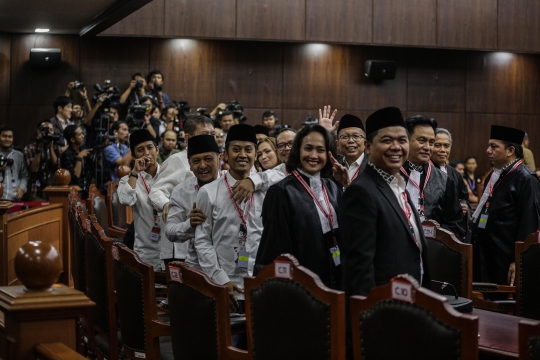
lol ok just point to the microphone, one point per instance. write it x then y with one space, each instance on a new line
460 304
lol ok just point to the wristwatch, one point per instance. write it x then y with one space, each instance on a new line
136 176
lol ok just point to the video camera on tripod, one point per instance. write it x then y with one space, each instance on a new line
112 98
135 118
238 111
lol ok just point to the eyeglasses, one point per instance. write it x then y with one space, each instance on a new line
282 146
355 137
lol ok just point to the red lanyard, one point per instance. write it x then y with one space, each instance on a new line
240 213
407 212
355 173
492 189
328 215
428 175
147 188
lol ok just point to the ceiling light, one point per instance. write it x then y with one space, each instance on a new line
38 30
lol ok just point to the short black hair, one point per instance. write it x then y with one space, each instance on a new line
268 114
191 124
69 132
224 113
41 122
137 74
518 148
61 101
416 120
294 161
153 72
116 125
5 127
146 97
469 158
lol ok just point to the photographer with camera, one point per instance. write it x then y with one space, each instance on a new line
150 123
77 115
118 153
135 91
13 169
42 158
154 87
226 120
73 158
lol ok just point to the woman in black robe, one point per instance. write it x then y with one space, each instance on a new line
294 222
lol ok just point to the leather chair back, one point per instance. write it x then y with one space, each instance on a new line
296 317
118 212
100 211
529 340
414 324
449 260
78 251
527 277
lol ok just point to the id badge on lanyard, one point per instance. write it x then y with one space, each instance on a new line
155 233
243 256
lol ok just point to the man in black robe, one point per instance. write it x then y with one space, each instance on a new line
508 211
440 157
381 233
432 192
350 143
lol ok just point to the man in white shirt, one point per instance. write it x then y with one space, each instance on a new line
133 190
228 240
175 169
350 143
184 216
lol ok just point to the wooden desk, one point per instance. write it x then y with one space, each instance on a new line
498 335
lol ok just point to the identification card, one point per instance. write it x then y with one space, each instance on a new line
483 221
242 235
334 250
243 259
154 234
13 183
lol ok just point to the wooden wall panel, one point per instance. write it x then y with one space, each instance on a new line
200 18
41 86
147 21
436 80
405 22
24 119
493 83
4 114
467 24
254 115
5 60
189 67
530 84
250 73
270 19
519 28
344 21
364 93
314 75
125 56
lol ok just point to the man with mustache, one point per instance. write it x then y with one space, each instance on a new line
350 143
432 192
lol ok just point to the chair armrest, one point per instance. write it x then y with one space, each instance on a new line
160 328
233 353
490 287
56 351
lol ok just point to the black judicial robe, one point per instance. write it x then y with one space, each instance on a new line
376 241
514 213
292 225
441 204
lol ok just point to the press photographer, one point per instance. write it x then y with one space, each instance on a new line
77 115
98 120
118 153
42 158
154 87
135 91
13 172
73 159
140 117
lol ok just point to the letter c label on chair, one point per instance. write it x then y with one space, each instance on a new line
402 291
175 274
282 269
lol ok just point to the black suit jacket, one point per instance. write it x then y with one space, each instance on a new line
376 241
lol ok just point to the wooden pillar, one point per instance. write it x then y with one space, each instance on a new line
29 318
4 209
59 195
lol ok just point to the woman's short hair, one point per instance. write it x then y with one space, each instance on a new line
294 161
273 146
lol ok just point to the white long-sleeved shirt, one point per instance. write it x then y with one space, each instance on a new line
178 228
216 240
173 171
263 180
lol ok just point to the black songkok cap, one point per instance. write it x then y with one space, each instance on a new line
259 129
138 137
382 118
202 144
505 133
348 121
241 132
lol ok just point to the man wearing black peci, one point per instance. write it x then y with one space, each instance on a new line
381 233
508 211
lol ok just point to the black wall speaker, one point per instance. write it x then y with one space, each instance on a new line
381 69
42 58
